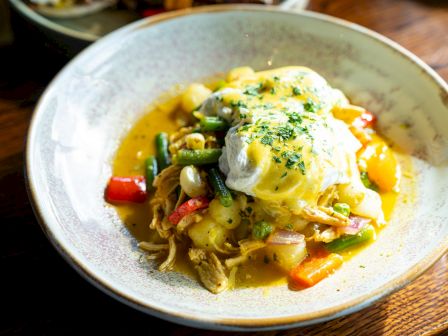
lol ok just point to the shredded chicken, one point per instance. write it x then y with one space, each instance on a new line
325 215
164 200
187 220
325 236
247 246
329 196
177 140
168 264
210 270
151 247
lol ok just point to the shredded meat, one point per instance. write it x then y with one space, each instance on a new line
210 270
329 196
164 200
325 215
168 264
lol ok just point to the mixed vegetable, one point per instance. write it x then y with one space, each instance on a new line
223 228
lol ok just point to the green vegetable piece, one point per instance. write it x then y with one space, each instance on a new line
342 208
261 230
163 156
150 171
367 183
197 157
346 241
211 124
220 188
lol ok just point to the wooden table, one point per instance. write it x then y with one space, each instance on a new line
43 295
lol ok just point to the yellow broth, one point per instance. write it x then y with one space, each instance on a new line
129 160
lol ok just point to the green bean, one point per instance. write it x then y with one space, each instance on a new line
342 208
197 157
219 186
261 230
163 157
213 124
150 171
347 241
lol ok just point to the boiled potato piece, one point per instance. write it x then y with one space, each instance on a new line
229 217
287 256
208 234
239 73
194 96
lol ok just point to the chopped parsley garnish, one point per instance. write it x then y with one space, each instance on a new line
267 140
243 115
289 226
253 90
284 175
294 118
238 104
277 159
310 106
276 78
276 188
273 90
292 160
296 91
285 132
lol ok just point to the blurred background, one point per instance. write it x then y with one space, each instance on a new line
40 293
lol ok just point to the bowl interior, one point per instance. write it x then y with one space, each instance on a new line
95 100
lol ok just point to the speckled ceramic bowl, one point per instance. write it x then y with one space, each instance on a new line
94 101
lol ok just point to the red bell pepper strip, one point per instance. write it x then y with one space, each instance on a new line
126 189
311 271
367 119
187 208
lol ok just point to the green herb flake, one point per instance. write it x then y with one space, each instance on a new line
238 104
253 90
230 221
284 175
267 140
296 91
295 118
289 226
277 159
310 106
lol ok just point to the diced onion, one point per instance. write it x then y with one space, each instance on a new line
285 237
356 224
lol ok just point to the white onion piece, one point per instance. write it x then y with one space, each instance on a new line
356 224
284 237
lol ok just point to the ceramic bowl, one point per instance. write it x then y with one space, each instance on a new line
94 101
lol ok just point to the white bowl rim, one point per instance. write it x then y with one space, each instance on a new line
31 14
248 324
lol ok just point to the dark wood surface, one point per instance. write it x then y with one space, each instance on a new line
41 294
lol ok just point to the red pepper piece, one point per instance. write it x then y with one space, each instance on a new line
187 208
126 189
